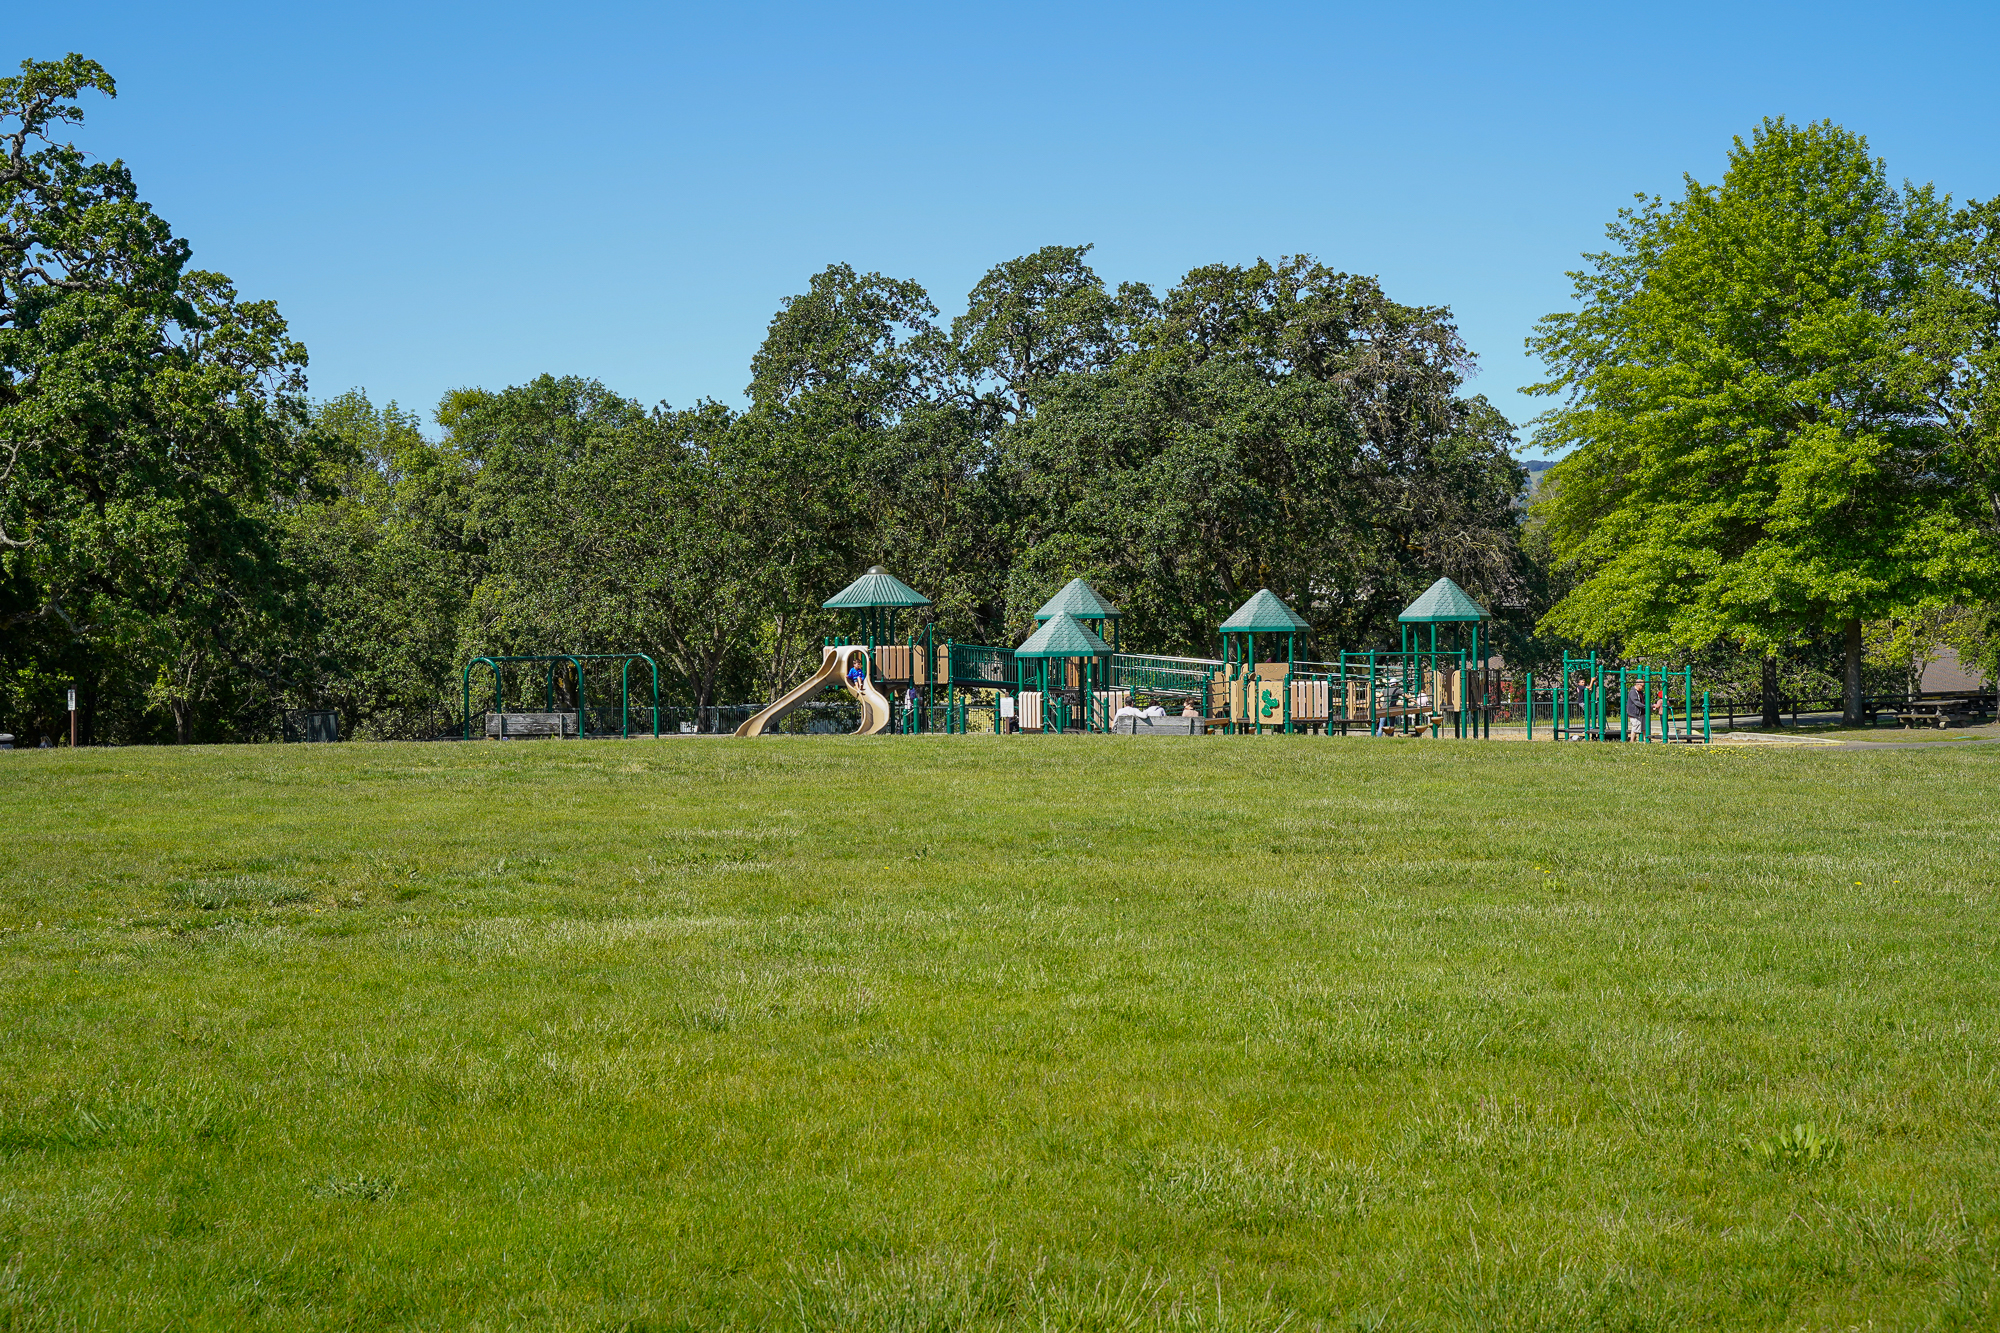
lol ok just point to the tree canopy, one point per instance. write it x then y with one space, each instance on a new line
1752 456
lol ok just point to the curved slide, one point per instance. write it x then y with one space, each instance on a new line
833 668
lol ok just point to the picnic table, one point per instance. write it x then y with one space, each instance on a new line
1937 714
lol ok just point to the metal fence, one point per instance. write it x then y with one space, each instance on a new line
1976 702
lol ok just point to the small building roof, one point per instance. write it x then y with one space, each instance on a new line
878 587
1064 636
1444 601
1078 599
1265 613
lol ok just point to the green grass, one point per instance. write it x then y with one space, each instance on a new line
1025 1033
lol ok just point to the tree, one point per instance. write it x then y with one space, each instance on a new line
147 417
878 447
1034 318
1277 425
609 529
1752 456
383 544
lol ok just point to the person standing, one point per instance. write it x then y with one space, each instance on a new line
1635 710
1390 698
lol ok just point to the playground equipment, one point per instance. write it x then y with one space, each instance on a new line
1070 675
1255 693
846 665
1412 692
873 600
1589 694
1082 673
915 664
551 722
1080 601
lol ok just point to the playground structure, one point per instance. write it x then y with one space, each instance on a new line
1069 675
901 682
1417 691
1584 703
848 666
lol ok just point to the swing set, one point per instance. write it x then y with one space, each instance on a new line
553 721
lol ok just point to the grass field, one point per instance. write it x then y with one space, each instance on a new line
1012 1033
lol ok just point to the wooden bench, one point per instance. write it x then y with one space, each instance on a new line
507 726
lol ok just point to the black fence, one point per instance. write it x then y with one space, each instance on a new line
1970 704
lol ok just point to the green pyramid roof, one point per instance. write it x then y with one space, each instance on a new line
1263 614
1078 599
1063 637
878 587
1444 600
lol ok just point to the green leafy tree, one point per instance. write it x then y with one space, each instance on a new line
609 529
147 418
382 542
1753 457
879 447
1277 425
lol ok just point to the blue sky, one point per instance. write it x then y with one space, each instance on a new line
444 195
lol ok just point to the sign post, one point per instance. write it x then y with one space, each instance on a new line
72 719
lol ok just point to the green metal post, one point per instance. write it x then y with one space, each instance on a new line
1485 698
1531 705
1291 661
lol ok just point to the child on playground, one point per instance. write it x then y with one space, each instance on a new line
1391 697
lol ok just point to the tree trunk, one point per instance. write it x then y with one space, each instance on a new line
1851 706
1767 685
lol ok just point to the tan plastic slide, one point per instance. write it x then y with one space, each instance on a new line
833 668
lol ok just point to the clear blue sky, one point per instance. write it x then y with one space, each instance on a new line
443 195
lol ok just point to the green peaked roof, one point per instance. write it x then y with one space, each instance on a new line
1063 637
1263 614
878 587
1444 600
1078 599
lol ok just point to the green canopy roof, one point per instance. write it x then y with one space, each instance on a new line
1442 601
878 587
1263 614
1078 599
1063 637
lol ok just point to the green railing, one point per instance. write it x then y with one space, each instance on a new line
1146 673
977 665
